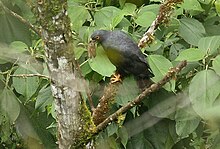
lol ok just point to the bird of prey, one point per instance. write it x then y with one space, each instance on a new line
124 53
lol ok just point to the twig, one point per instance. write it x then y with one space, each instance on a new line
30 75
165 12
170 74
20 18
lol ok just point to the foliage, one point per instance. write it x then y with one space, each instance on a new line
183 114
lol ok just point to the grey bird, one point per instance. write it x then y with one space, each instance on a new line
124 53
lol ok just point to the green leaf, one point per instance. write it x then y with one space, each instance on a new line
191 30
123 134
191 54
203 91
9 104
112 129
217 6
127 91
26 86
129 9
44 99
186 121
175 49
78 15
160 66
209 44
101 64
105 16
117 19
19 46
216 64
150 8
191 5
145 19
78 51
13 29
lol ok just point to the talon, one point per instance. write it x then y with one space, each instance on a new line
116 78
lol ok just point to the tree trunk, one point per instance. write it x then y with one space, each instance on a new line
72 114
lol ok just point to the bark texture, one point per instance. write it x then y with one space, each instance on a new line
72 115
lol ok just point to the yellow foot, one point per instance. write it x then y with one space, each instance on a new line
116 78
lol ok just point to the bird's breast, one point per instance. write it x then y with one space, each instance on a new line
115 57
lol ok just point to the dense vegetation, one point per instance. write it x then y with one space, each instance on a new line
183 114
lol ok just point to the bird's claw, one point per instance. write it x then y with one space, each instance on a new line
116 78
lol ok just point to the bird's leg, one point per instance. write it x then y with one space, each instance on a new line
116 78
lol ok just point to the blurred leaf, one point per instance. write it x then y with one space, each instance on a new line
150 8
123 134
26 86
101 63
175 49
129 9
191 5
186 121
191 54
117 19
145 19
105 16
212 26
160 66
78 51
78 16
85 68
9 104
112 129
203 91
217 6
44 99
191 30
13 30
139 142
19 46
216 64
127 91
209 44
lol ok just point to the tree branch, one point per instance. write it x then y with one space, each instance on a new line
165 12
20 18
30 75
170 74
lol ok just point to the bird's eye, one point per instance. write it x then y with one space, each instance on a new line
97 37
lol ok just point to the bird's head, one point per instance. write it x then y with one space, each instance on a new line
99 35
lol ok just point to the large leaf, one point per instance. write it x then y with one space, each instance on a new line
44 99
191 30
101 64
12 30
186 121
145 19
216 65
160 66
9 104
108 17
203 91
78 15
127 91
26 86
192 54
129 9
191 5
209 44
